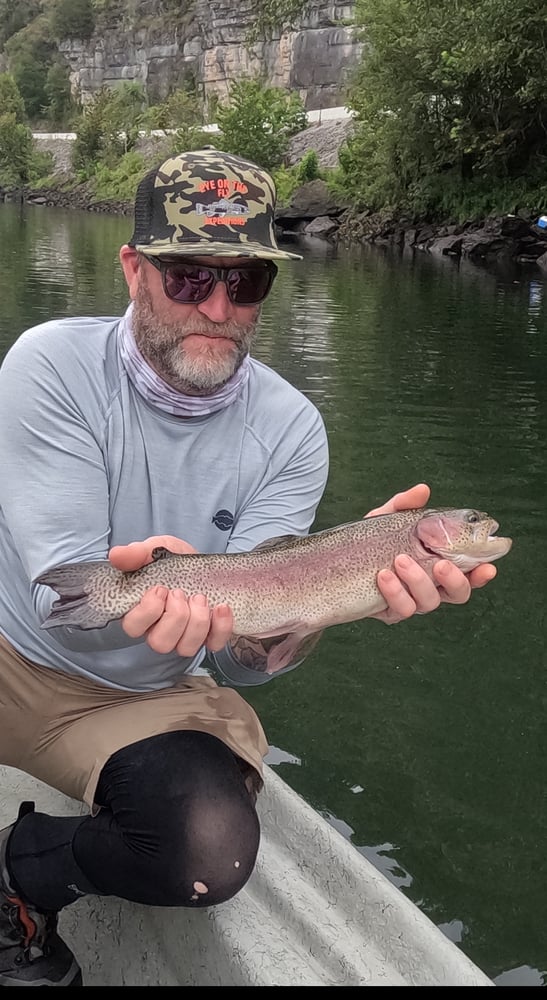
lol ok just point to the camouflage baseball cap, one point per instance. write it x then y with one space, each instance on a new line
207 203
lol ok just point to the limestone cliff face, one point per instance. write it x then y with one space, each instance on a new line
206 42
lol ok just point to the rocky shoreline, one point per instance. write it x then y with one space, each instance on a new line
315 212
507 238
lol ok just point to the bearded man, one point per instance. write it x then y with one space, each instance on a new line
119 435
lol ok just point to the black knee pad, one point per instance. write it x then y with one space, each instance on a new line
178 826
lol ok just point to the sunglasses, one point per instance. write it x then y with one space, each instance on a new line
192 283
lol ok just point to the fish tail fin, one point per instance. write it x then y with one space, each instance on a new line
74 584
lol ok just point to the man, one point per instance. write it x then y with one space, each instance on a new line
116 436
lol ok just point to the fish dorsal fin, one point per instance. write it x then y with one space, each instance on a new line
275 542
161 553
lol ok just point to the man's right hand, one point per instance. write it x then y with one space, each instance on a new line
170 619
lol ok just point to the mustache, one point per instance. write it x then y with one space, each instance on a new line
228 331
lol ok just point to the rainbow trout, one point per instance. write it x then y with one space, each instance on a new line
293 586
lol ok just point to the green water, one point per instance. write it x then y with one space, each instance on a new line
423 743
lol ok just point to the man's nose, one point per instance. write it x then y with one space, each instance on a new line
217 307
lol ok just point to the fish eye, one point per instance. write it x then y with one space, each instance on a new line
473 517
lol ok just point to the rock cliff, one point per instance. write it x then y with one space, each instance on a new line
206 43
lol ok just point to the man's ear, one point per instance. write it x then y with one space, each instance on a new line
129 259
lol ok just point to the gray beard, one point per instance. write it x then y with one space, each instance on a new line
162 344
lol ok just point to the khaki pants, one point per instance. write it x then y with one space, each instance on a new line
62 729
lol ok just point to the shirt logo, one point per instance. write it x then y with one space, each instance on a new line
223 519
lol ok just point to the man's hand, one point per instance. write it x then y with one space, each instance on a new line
170 619
409 590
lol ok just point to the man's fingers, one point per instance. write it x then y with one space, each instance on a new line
454 587
171 621
136 554
416 496
222 626
197 628
482 575
164 634
148 611
409 589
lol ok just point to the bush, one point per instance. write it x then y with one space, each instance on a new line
108 128
11 101
258 122
16 149
308 168
72 19
119 182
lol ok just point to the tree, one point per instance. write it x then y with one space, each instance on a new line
449 92
16 14
109 127
11 101
72 19
58 93
258 121
30 53
16 149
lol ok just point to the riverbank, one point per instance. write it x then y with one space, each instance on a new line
314 211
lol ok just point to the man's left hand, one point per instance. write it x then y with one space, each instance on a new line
409 590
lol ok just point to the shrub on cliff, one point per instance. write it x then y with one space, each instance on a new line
258 122
72 19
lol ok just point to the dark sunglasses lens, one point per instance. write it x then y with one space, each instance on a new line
249 286
188 283
191 283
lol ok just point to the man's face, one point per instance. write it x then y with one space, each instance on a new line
195 348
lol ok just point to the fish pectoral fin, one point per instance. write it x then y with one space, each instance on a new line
294 647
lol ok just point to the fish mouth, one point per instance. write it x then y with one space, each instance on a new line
483 543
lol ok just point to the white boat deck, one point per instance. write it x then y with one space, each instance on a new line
314 913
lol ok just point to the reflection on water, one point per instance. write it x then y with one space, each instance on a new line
423 743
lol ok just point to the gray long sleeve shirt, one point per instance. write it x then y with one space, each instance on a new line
87 463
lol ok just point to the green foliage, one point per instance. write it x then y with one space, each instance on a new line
191 137
16 148
453 89
286 182
11 101
181 108
308 168
273 16
258 122
41 167
57 90
72 19
119 182
288 179
30 53
108 128
16 14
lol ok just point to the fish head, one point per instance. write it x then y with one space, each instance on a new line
464 536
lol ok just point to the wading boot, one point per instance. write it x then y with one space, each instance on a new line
31 951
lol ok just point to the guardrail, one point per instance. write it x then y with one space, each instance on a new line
314 118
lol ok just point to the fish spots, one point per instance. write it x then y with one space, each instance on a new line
200 889
237 864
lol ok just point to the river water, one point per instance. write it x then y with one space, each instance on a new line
423 743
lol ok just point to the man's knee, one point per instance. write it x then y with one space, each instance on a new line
178 827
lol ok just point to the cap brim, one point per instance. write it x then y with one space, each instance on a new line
164 248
